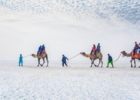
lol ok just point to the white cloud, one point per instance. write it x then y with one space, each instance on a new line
62 31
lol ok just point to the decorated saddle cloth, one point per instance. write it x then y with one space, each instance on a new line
136 55
92 56
42 53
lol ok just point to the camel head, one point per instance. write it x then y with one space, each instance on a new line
33 55
82 53
125 54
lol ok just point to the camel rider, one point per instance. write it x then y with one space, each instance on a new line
136 47
39 50
93 49
138 51
42 49
98 49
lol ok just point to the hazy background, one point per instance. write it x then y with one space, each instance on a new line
68 27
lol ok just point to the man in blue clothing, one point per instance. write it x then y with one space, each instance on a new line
64 58
20 60
97 49
39 50
42 49
110 61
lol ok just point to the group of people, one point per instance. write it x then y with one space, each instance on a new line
94 51
64 58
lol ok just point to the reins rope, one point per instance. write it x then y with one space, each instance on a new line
26 56
117 58
74 56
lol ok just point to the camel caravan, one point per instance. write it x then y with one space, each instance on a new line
94 54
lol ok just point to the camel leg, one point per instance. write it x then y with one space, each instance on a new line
101 63
47 60
91 62
134 63
38 62
43 61
131 63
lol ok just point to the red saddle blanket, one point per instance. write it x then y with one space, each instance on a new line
136 55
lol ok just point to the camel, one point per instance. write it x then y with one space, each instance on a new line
41 57
133 57
93 58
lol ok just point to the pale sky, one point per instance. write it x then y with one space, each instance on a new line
21 32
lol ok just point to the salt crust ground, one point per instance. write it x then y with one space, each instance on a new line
71 83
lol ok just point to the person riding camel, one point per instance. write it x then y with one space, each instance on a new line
98 49
39 50
135 48
42 49
139 45
93 49
138 51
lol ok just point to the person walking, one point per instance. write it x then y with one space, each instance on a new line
64 58
110 61
20 60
